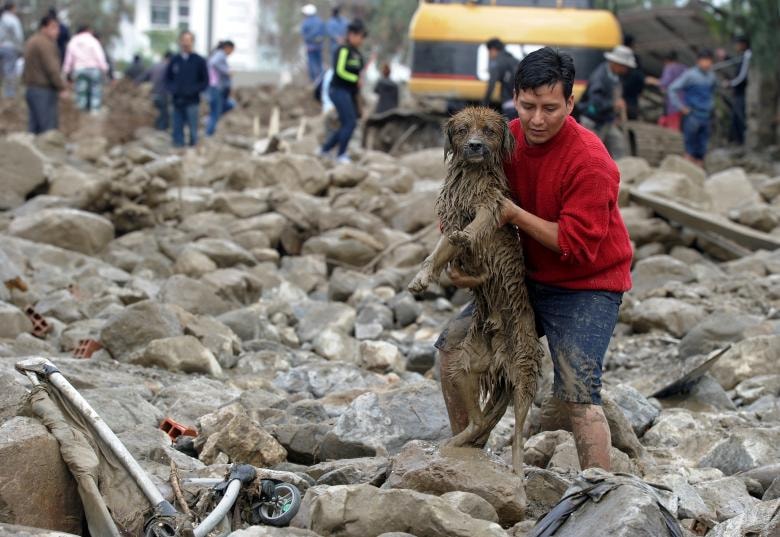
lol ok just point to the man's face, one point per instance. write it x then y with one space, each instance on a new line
493 53
185 43
618 69
705 64
229 50
355 38
542 111
52 29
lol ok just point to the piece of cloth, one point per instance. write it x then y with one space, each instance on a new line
314 63
578 326
84 52
42 63
89 88
336 28
672 71
598 101
8 58
348 65
162 104
11 34
610 135
698 89
219 70
387 90
502 71
42 109
671 121
344 101
185 115
186 78
696 135
571 180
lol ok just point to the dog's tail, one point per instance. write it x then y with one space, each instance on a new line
498 394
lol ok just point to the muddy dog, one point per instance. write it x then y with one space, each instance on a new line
500 358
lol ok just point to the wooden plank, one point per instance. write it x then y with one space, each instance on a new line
706 222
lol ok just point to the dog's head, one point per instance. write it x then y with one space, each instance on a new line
477 136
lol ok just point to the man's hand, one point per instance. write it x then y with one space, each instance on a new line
462 280
685 111
508 213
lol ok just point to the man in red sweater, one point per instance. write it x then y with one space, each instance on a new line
577 249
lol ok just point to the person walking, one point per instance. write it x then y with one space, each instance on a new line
11 44
502 70
387 90
313 32
344 89
219 84
738 85
336 28
672 70
577 249
86 65
697 85
601 107
160 98
186 78
42 77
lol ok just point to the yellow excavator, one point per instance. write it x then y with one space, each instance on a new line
449 59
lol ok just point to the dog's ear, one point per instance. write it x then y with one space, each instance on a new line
508 145
448 138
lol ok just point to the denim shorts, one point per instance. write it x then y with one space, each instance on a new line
578 326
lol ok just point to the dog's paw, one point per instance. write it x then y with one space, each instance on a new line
419 283
461 239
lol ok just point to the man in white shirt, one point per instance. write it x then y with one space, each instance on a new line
11 44
85 64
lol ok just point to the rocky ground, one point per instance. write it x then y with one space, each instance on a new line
260 299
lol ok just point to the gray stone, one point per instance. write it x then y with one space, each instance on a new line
729 189
313 317
71 229
179 353
473 505
128 333
344 282
668 314
193 296
21 172
193 263
243 442
676 187
655 271
13 321
381 356
676 163
717 330
270 531
750 357
123 408
327 378
223 252
12 395
639 411
249 323
426 163
336 345
302 441
727 497
543 490
370 470
773 491
761 520
422 467
380 424
13 530
744 450
405 308
36 488
186 401
344 245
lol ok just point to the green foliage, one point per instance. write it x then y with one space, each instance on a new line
101 15
161 41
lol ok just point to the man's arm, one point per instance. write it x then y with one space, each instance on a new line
203 76
51 65
542 231
743 69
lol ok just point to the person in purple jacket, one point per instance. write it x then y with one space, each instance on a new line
673 69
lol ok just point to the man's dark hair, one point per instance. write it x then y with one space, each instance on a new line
495 44
357 27
671 56
8 6
336 11
545 67
705 53
628 40
227 43
46 20
82 28
745 40
186 32
168 55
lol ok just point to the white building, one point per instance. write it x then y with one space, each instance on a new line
210 20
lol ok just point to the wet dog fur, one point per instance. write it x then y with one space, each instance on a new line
500 358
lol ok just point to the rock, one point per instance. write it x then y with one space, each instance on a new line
543 490
372 319
565 459
347 175
676 187
717 330
676 163
193 263
344 245
729 189
639 411
656 271
190 399
773 491
179 353
366 511
21 172
313 317
214 335
12 395
344 282
193 296
644 229
668 314
422 467
426 164
123 408
381 356
759 216
405 308
413 212
380 424
336 345
327 378
744 450
270 531
244 442
12 530
748 358
223 252
761 520
302 441
126 334
727 497
36 488
633 170
371 470
472 505
71 229
13 321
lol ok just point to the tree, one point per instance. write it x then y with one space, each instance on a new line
102 16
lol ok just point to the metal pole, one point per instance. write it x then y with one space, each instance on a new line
222 508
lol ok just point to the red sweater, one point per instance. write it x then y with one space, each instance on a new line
572 180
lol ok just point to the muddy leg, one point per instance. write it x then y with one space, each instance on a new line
467 388
591 435
523 397
456 408
433 265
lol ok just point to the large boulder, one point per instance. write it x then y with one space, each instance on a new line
21 172
71 229
655 271
744 450
36 488
123 408
717 330
730 189
761 520
366 511
422 467
313 317
677 187
194 296
244 442
180 353
126 334
426 163
667 314
327 378
13 321
748 358
380 424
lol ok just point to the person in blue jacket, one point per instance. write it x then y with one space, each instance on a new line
344 89
337 30
186 78
697 85
313 33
